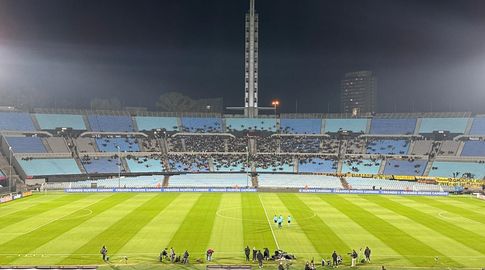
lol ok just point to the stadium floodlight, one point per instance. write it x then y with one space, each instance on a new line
276 104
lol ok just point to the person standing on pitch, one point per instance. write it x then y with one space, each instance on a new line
275 219
354 257
289 220
172 255
186 257
280 222
259 256
255 252
367 252
104 252
210 251
247 252
334 258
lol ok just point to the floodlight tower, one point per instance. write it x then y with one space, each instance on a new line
251 62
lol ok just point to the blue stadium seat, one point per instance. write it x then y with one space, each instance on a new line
50 166
258 124
388 147
405 167
101 165
16 121
448 168
453 125
53 121
110 144
209 180
354 125
26 144
364 166
148 123
299 181
317 165
301 126
142 165
392 126
200 124
478 126
474 149
116 123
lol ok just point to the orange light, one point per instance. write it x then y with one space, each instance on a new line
275 103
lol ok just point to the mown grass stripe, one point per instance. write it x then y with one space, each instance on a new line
322 237
50 231
24 203
395 238
36 209
464 236
255 224
121 232
195 231
451 208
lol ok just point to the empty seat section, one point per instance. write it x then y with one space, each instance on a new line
53 121
16 121
209 180
453 125
26 144
388 147
258 124
57 144
354 125
449 148
144 164
301 126
405 167
392 126
41 167
363 166
85 145
317 165
112 144
199 124
299 181
457 169
370 183
474 149
478 126
422 147
96 165
147 123
107 123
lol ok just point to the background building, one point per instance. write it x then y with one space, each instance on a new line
358 92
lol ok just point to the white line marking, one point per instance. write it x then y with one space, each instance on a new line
269 223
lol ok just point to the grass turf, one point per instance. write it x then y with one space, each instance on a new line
403 232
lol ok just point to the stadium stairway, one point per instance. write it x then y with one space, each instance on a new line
418 126
469 125
339 165
460 148
254 181
124 164
382 166
86 122
428 168
165 181
5 167
47 146
344 182
35 122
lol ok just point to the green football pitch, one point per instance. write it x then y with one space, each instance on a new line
403 232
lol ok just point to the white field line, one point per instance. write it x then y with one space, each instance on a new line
269 223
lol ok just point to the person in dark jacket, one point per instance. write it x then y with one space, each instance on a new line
163 254
255 252
186 257
104 252
266 254
334 258
367 252
259 256
247 252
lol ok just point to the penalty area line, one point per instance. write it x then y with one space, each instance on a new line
269 223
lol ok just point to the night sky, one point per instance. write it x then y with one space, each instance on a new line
429 55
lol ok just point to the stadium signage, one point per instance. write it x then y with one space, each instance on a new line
382 192
100 190
14 196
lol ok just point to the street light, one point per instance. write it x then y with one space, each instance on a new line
119 166
10 167
275 104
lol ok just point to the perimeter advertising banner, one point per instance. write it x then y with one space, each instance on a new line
101 190
381 192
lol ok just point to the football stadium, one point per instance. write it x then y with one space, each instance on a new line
242 188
